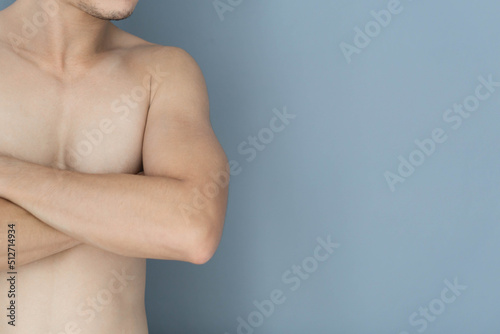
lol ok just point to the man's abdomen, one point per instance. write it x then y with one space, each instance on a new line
81 290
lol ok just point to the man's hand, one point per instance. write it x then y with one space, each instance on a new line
35 240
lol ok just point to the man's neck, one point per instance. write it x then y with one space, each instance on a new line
54 32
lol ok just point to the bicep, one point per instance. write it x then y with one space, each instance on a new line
179 141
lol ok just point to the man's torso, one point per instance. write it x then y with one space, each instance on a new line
90 122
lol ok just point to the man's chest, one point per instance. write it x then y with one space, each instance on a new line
95 125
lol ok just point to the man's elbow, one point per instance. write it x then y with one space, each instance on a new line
202 256
206 243
206 229
199 229
196 244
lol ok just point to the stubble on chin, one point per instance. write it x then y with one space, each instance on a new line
94 11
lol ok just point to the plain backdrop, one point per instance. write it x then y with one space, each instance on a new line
322 176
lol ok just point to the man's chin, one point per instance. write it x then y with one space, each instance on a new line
103 14
115 16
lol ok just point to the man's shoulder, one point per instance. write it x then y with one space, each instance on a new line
170 58
149 52
169 66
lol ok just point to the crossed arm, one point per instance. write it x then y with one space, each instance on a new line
154 215
35 240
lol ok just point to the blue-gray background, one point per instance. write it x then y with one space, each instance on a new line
324 174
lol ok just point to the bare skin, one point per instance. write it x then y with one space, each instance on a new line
84 108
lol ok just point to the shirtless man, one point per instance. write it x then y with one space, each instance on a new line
85 108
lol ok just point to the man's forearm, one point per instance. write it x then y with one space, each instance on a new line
35 240
130 215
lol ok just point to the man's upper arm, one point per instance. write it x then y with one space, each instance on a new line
179 141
